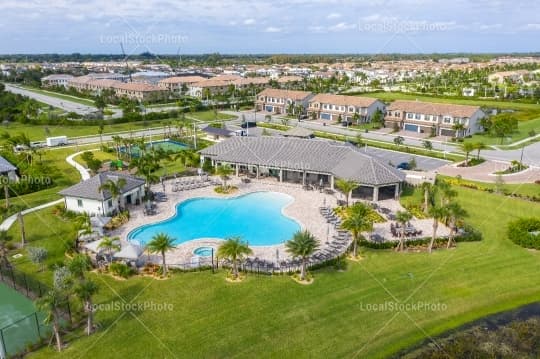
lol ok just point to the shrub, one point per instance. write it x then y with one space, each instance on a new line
525 232
121 270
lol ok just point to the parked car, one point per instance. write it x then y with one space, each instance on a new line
346 123
248 124
403 166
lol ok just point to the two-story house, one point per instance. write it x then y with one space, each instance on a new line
440 119
331 107
279 101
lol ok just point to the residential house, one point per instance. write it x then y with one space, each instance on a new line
8 170
209 87
140 91
56 80
441 119
89 197
280 101
349 108
179 84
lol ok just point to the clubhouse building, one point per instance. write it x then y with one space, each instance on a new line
307 162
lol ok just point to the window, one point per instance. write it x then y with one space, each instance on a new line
79 203
109 203
410 115
447 119
351 109
416 116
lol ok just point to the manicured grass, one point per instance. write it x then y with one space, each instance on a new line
275 317
391 96
81 100
39 132
209 115
525 189
524 127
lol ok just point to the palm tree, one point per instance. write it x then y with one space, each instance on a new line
234 249
479 146
303 244
402 217
438 213
456 213
109 244
224 171
5 181
79 265
467 147
429 191
82 226
115 188
458 127
346 187
50 304
357 221
161 243
85 290
446 192
117 140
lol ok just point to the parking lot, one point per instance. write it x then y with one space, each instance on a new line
395 158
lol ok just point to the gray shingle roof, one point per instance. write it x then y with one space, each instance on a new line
341 160
90 188
6 166
218 131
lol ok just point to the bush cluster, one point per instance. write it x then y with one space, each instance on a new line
525 232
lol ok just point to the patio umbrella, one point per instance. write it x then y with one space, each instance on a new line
99 221
129 251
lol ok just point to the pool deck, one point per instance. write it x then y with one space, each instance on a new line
304 209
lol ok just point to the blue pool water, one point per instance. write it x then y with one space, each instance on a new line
256 217
203 251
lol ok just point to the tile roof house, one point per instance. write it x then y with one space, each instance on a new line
282 101
439 119
331 107
88 197
139 91
307 161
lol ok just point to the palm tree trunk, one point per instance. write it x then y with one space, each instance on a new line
235 269
303 270
164 264
451 235
426 200
435 226
355 245
56 330
90 318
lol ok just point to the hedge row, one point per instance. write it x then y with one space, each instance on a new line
525 232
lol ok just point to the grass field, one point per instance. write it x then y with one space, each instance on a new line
81 100
39 132
524 127
274 317
391 96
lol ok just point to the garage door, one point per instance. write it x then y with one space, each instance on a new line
409 127
447 132
326 116
269 108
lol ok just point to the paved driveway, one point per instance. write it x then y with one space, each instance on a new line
387 156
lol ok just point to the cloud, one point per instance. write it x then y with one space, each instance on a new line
272 29
333 15
249 22
531 27
342 26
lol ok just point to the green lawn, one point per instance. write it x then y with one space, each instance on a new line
81 100
39 132
524 127
209 115
525 189
275 317
391 96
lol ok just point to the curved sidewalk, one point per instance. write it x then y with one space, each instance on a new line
8 222
485 172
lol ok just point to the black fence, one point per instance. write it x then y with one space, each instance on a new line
26 332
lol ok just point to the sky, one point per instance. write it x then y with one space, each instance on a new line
269 26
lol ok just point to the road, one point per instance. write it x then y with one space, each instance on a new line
64 104
531 153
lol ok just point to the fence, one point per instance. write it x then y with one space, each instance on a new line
28 331
18 336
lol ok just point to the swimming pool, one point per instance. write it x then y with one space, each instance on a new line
256 217
167 145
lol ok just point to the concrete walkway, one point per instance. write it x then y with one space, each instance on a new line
8 222
4 226
83 171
